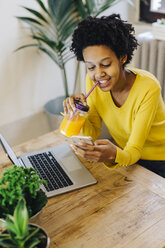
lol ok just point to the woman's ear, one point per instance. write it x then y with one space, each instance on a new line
123 59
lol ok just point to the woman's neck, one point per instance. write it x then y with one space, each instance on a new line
125 82
120 95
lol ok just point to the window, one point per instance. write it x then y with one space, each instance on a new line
151 10
157 6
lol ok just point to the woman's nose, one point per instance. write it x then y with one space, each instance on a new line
100 73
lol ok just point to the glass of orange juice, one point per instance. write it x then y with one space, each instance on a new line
72 123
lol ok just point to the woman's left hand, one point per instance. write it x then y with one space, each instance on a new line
103 150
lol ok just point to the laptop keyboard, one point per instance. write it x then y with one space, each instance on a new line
50 170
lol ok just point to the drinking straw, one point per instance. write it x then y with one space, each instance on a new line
91 89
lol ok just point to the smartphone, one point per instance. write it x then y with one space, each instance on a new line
77 139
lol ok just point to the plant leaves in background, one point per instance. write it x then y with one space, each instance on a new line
52 27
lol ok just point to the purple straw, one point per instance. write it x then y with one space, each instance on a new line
91 89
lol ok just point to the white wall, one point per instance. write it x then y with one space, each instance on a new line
128 12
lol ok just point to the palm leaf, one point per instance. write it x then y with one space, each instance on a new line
58 9
70 16
82 10
36 26
52 44
67 30
65 17
36 13
26 46
52 56
67 58
95 7
90 5
28 20
43 7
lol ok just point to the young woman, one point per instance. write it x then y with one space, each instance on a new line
128 100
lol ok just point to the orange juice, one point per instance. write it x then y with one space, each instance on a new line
72 125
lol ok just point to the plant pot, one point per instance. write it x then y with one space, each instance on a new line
52 109
36 219
44 242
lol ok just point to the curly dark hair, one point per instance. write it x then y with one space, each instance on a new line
110 31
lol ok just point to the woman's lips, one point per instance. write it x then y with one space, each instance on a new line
104 83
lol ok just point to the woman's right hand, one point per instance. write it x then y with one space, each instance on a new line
69 105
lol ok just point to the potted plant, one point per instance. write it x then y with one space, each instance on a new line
51 29
18 233
17 182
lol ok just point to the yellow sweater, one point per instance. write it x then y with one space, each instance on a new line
138 126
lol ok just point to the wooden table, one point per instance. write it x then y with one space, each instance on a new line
126 209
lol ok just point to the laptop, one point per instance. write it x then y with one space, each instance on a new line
58 165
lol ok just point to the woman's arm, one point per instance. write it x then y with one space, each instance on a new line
140 130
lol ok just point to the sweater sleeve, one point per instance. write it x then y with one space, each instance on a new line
141 128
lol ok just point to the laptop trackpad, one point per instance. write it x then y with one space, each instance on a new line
71 163
67 157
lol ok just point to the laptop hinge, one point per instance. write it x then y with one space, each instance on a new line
21 163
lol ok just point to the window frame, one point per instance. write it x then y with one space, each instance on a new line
147 15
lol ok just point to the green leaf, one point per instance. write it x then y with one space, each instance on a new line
9 224
91 5
39 202
48 42
36 13
51 54
58 9
67 29
68 15
57 60
82 10
26 46
62 12
5 241
21 218
32 233
33 243
4 236
42 6
28 19
2 222
12 229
